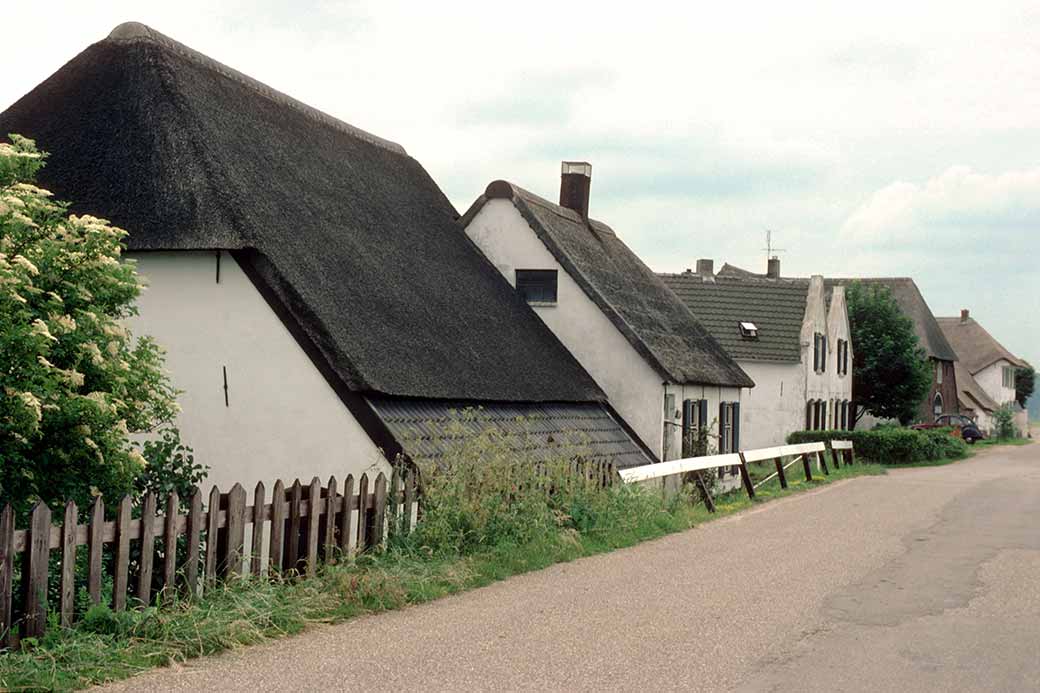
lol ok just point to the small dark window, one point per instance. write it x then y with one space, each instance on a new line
537 286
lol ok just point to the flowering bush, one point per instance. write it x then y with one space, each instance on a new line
74 383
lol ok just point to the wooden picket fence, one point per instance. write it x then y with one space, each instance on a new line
308 524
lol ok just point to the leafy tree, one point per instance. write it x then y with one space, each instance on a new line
891 373
75 385
1024 382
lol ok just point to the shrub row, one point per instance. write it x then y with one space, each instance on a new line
893 445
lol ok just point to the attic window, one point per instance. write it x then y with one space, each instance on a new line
748 330
537 286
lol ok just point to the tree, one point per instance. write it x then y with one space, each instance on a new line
75 385
1025 380
891 373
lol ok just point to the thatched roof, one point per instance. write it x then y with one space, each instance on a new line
342 228
654 321
974 345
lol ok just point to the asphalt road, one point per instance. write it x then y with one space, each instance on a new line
925 579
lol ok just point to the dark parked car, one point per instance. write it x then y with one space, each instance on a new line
969 431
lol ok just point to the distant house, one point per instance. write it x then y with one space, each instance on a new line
790 335
663 371
988 371
320 306
942 395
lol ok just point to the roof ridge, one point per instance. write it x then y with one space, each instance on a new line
136 31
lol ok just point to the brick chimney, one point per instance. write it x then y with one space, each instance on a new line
575 184
773 268
964 315
706 267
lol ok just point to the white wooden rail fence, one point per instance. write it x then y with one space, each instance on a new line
840 450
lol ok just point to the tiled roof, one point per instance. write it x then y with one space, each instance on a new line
429 430
906 294
777 308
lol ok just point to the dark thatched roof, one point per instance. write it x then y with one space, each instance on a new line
906 294
974 345
655 322
430 430
777 308
343 228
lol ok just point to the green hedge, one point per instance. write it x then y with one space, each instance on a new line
893 445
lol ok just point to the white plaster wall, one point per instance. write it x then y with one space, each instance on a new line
839 387
776 405
991 380
635 389
283 420
714 396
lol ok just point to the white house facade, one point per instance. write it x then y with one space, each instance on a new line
642 346
991 368
789 335
249 392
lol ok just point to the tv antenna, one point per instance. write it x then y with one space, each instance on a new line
771 251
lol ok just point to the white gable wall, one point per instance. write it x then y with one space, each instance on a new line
282 419
775 406
635 389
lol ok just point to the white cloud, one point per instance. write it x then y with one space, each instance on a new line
991 211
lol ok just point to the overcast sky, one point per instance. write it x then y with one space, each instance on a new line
874 139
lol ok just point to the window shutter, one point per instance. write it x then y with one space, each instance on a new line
823 355
734 409
687 426
722 428
808 415
702 421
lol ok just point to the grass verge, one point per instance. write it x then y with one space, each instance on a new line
107 646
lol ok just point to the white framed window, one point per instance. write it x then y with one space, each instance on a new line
937 404
748 330
938 372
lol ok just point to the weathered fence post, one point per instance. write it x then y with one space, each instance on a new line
256 550
329 523
6 573
95 550
807 465
345 517
194 530
379 511
275 554
834 456
212 535
122 555
362 513
144 576
780 473
68 563
231 561
173 503
745 477
393 517
37 555
292 539
313 526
